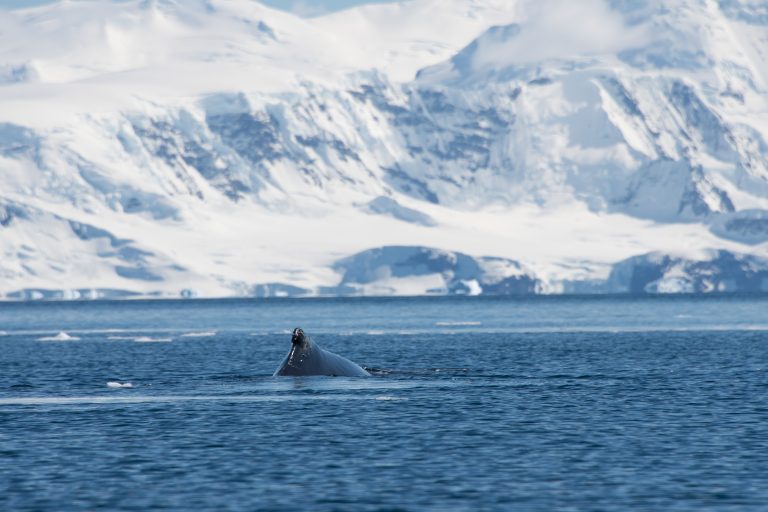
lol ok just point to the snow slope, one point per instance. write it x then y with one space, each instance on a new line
223 148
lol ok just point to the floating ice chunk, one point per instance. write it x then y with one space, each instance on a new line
204 334
62 336
116 384
148 339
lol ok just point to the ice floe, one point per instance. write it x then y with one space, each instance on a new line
116 384
61 336
203 334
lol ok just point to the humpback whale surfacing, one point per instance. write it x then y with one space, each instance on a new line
307 358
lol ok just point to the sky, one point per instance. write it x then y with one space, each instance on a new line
301 7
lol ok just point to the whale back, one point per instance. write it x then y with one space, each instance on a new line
308 358
336 365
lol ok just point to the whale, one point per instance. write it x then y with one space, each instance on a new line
307 358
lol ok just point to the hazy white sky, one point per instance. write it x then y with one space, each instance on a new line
303 7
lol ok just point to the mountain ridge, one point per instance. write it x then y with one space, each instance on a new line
283 152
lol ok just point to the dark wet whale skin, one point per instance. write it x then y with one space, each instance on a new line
307 358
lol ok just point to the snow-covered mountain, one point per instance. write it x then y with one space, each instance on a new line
222 148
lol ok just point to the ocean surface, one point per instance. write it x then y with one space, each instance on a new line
544 403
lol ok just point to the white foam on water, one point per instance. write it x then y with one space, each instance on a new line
115 384
203 334
114 331
139 399
121 337
389 398
379 332
148 339
61 336
613 329
638 329
560 329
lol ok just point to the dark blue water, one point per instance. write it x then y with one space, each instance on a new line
476 404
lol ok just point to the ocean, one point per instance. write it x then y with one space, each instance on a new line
540 403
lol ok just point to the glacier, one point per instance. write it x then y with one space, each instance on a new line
218 148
